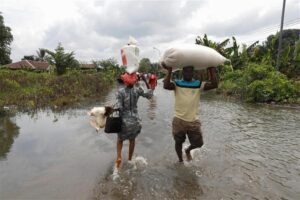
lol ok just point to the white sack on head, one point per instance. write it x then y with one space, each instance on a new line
97 117
130 56
201 57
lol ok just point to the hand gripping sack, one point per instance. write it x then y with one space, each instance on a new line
201 57
113 123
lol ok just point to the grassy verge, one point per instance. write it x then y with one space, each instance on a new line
32 90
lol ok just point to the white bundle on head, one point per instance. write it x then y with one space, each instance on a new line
130 55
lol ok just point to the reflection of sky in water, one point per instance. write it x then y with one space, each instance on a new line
50 155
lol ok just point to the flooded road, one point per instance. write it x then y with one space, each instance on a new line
249 152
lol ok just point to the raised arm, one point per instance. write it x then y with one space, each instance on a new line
168 85
212 72
145 81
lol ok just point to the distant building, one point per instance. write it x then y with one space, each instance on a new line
30 65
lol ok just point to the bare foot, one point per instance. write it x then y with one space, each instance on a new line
118 163
188 155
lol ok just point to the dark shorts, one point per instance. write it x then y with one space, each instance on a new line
182 128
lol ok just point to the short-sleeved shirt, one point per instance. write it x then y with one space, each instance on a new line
187 99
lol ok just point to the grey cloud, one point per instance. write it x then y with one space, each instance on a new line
251 22
151 22
141 18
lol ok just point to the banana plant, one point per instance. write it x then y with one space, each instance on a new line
220 47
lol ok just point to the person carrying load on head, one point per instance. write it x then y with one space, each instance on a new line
187 98
152 81
127 99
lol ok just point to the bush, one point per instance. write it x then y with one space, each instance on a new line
35 90
260 83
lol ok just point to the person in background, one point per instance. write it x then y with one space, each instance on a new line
187 99
152 81
127 98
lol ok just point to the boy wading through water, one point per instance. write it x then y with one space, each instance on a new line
187 99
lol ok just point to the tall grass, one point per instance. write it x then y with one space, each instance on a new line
36 90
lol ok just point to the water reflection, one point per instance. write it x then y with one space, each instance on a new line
249 152
152 108
8 132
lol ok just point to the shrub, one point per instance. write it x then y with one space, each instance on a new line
260 83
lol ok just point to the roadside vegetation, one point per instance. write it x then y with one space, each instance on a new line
66 83
31 90
253 75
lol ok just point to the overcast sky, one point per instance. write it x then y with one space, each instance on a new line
97 29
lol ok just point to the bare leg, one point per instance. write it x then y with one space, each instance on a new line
188 153
196 141
119 153
131 148
178 148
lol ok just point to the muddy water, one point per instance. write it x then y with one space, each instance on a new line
250 152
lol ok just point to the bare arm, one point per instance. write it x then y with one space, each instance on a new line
145 81
212 72
168 85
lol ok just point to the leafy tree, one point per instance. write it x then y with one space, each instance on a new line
110 67
287 54
5 40
62 60
145 65
296 64
107 64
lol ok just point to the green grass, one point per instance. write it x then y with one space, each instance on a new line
260 83
32 90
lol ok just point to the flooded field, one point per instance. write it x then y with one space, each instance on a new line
250 152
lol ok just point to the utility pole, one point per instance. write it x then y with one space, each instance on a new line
158 57
280 35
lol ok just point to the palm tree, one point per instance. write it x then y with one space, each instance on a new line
220 47
41 53
61 59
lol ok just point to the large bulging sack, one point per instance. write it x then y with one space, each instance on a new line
201 57
130 56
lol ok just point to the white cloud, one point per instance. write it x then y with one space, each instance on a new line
97 29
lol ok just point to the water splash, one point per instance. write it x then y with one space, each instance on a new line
116 174
138 163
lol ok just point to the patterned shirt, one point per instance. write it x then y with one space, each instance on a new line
127 99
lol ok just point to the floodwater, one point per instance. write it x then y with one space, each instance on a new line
250 152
